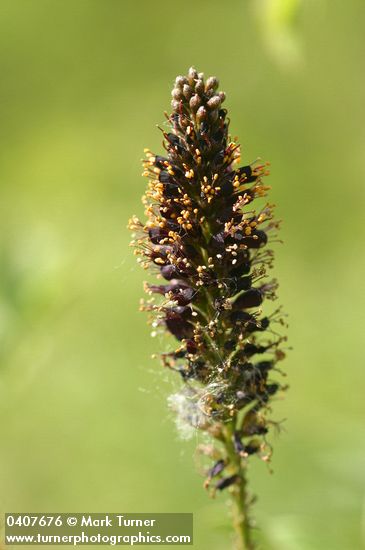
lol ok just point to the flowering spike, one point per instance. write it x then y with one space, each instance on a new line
206 239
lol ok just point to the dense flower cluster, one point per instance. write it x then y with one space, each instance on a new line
208 243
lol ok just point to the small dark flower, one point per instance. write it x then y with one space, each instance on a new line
244 450
216 469
226 482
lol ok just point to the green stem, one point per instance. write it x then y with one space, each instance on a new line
239 495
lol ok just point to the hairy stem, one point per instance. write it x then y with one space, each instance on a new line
239 494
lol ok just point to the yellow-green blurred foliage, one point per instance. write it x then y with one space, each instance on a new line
84 421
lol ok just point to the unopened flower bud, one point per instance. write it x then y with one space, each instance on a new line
222 96
180 81
192 75
199 86
214 102
213 115
187 91
177 93
201 113
175 104
212 83
195 102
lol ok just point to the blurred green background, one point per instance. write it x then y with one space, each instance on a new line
84 420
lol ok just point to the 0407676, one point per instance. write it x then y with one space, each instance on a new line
30 521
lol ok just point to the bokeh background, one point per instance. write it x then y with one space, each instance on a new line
84 420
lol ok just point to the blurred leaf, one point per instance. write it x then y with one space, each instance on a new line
276 19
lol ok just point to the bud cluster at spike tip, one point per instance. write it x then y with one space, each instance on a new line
208 244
